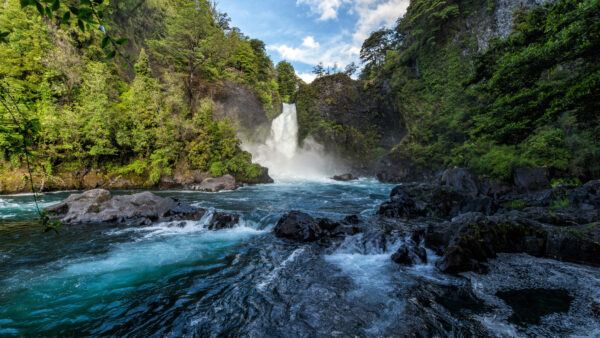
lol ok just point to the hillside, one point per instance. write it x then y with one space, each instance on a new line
486 85
168 111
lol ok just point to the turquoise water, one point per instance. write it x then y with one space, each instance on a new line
164 279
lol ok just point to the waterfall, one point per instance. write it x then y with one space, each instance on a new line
284 132
285 158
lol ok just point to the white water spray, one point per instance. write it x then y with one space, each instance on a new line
285 159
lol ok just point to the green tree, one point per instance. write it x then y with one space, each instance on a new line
286 80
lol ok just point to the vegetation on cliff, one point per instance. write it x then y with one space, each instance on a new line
531 99
84 110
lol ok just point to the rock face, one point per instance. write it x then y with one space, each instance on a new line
226 182
264 177
345 177
302 227
96 207
531 179
429 200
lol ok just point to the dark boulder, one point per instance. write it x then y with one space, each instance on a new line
531 179
345 177
473 238
428 200
410 255
302 227
298 226
220 220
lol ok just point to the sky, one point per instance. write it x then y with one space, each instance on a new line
306 32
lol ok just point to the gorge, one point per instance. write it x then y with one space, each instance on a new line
161 176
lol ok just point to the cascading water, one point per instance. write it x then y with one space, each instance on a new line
285 158
284 132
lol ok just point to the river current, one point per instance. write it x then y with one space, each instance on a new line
172 280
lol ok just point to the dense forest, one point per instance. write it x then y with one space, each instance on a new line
141 113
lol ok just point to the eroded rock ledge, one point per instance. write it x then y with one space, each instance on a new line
467 228
98 206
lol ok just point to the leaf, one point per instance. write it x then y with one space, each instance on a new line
55 5
74 10
40 8
49 12
25 3
66 17
105 41
121 41
111 55
80 24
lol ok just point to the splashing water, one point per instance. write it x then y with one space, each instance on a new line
286 159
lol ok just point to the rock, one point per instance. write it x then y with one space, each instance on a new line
473 238
302 227
410 255
96 207
298 226
226 182
531 179
461 179
264 178
345 177
221 220
428 200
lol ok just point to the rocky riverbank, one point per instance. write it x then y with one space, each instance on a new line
17 181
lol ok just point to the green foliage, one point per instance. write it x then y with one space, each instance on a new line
529 100
81 109
286 80
515 204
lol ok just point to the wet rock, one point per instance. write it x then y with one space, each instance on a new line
531 179
96 206
429 200
221 220
473 238
298 226
302 227
345 177
410 255
226 182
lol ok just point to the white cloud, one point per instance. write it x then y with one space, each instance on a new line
376 14
306 77
343 48
326 9
309 42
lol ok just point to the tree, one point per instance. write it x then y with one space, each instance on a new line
319 70
286 79
351 69
186 44
373 50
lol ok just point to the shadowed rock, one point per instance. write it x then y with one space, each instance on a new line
345 177
410 255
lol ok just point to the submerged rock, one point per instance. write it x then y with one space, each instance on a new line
96 206
226 182
345 177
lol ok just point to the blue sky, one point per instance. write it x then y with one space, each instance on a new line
306 32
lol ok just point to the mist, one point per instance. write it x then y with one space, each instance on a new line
285 158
